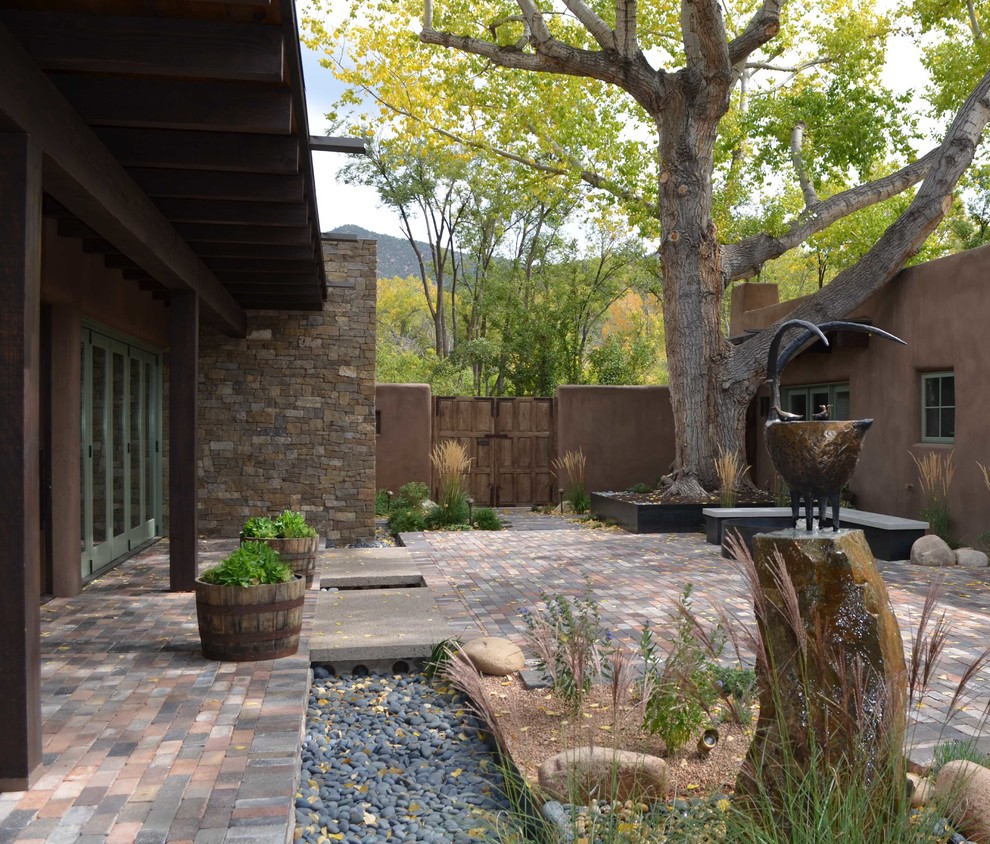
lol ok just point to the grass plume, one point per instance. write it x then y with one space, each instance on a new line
730 469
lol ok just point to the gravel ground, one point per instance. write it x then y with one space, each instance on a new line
394 758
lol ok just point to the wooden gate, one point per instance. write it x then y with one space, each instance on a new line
510 443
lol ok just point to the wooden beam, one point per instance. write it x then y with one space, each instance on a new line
153 46
82 174
20 528
280 304
332 143
254 250
226 151
223 267
234 212
308 280
224 233
212 184
183 440
178 104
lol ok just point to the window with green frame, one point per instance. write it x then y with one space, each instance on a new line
807 400
938 407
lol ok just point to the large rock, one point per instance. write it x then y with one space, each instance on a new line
834 686
962 790
495 656
919 790
932 551
583 774
970 558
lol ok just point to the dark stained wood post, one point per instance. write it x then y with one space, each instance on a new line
183 439
20 528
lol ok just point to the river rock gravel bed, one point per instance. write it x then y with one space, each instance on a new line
394 758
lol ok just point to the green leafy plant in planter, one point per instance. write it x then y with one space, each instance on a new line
249 565
250 606
289 534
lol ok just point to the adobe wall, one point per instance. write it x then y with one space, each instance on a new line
942 310
404 416
626 433
287 414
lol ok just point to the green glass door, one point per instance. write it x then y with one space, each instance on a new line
121 465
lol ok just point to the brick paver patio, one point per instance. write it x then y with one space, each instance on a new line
144 741
483 581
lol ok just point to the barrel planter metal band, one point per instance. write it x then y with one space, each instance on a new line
241 623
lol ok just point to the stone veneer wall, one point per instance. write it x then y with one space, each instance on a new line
287 414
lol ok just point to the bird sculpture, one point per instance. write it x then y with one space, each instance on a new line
815 457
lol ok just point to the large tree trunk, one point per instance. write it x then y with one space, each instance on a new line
709 410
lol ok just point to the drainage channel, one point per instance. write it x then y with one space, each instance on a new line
388 754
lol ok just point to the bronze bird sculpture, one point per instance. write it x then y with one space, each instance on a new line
815 458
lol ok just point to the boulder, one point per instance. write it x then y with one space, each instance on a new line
932 551
962 790
825 599
495 656
970 558
583 774
919 790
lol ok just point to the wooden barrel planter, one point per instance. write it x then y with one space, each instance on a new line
241 623
299 554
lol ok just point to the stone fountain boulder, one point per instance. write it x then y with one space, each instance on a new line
835 680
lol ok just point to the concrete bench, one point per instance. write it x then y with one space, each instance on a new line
889 537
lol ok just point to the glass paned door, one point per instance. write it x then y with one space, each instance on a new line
121 468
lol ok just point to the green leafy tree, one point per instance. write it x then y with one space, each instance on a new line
725 103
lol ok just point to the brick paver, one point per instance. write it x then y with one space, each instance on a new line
483 580
144 740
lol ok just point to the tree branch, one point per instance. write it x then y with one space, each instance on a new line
598 29
902 239
974 21
703 33
637 77
764 26
744 259
811 201
626 39
795 69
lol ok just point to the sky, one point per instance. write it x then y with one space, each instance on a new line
341 204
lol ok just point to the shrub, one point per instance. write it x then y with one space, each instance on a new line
383 502
639 489
411 496
573 464
454 513
679 691
406 521
952 750
485 518
568 640
251 564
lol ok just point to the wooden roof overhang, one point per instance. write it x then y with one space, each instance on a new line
175 143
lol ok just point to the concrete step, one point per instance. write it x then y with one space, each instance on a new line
375 628
363 568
